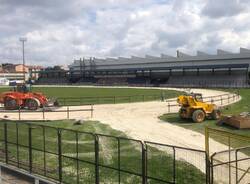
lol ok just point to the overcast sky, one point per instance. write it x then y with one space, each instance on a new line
59 31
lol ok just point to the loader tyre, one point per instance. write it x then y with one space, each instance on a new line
198 116
10 104
181 114
32 104
216 114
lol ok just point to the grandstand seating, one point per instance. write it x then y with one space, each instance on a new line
87 81
55 81
216 80
112 81
139 81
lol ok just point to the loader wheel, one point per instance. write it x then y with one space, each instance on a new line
32 104
216 114
10 104
198 116
182 113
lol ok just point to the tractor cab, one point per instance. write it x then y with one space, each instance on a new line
22 88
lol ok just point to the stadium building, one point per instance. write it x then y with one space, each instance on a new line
225 69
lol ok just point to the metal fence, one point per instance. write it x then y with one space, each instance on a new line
110 99
230 161
221 100
64 112
71 156
231 166
71 101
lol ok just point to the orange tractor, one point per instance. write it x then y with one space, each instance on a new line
22 97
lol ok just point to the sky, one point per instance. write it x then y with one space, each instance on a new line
59 31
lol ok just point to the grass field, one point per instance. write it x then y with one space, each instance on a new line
241 106
88 95
160 163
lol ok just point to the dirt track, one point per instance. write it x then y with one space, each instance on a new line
138 120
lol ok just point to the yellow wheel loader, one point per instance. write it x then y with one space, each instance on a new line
193 107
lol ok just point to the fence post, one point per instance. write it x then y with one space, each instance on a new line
228 98
119 160
221 100
43 114
17 144
174 165
59 154
168 107
19 113
162 97
144 175
30 148
229 168
67 112
6 143
92 109
96 159
208 166
212 169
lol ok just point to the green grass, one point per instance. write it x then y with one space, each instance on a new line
160 161
241 106
86 95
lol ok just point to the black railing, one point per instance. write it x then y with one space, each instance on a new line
71 101
231 166
71 156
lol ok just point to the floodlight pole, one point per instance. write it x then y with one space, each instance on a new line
23 39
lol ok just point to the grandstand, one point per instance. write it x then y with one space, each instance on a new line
224 69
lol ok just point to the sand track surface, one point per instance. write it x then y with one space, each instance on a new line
138 120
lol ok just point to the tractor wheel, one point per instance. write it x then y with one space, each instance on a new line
216 114
32 104
198 116
10 104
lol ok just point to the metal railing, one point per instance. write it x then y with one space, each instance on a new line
110 99
71 156
224 99
64 111
231 166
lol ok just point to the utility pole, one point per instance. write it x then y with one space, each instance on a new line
23 39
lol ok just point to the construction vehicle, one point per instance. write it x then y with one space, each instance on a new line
22 97
193 107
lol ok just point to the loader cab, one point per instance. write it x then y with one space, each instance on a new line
22 88
197 97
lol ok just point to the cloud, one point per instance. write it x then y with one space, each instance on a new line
223 8
60 31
